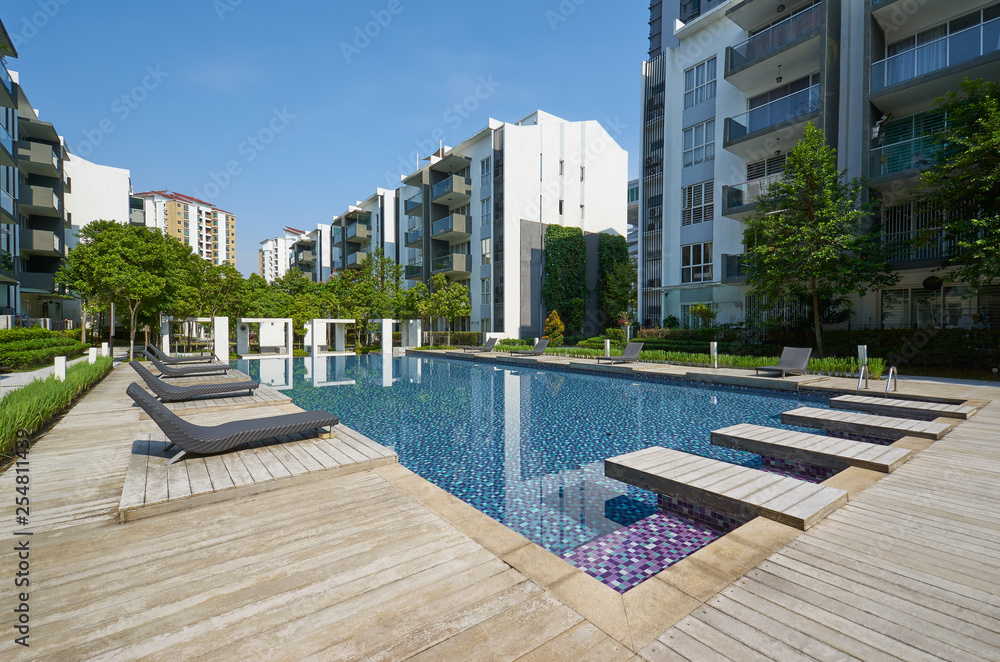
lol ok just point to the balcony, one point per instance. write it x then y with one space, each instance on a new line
354 260
733 268
40 200
414 238
451 228
414 271
6 88
794 44
740 200
451 191
37 158
40 242
936 66
414 206
306 257
917 153
7 206
7 268
358 233
454 265
927 245
38 283
747 134
7 153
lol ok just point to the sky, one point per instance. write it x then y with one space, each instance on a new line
286 114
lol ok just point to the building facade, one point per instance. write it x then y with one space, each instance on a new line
727 90
275 255
371 224
477 212
208 230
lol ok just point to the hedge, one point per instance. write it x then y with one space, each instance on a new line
13 335
39 358
31 407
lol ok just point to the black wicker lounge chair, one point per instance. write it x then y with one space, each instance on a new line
793 361
187 371
488 347
538 350
170 393
203 440
170 360
630 355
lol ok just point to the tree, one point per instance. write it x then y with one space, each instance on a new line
616 279
447 300
565 287
964 182
554 329
813 233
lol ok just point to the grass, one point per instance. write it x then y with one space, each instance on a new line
31 407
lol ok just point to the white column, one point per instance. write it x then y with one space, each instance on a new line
104 349
242 337
339 344
386 336
290 337
60 368
92 357
221 333
607 347
165 334
713 352
312 336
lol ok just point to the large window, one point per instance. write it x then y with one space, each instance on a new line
696 263
948 308
699 143
699 83
485 170
487 251
487 211
485 291
698 203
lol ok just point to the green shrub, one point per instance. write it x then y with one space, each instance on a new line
39 358
554 329
32 406
12 335
616 335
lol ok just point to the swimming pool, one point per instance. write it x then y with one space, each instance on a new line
526 446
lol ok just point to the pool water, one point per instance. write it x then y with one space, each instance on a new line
527 446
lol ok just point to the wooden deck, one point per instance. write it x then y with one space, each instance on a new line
870 425
739 491
906 408
821 450
153 487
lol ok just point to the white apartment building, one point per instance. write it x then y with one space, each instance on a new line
275 255
477 212
208 230
96 192
368 225
727 91
311 253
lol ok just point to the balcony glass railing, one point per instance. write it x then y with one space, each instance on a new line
453 223
766 42
414 236
413 204
6 140
734 267
935 55
795 105
7 202
916 153
6 261
747 193
356 258
452 262
5 77
443 188
415 270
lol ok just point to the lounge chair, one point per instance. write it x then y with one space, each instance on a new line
488 347
188 371
170 360
170 393
793 361
630 355
202 440
538 350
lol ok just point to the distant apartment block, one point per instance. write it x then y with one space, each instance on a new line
727 90
370 224
208 230
275 255
633 219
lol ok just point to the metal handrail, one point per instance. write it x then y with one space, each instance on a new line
893 373
863 375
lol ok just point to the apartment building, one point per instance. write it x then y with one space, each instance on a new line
311 253
633 219
477 213
208 230
727 90
366 226
275 254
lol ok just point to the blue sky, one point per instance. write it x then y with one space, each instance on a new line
311 105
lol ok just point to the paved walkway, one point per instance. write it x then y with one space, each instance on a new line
381 565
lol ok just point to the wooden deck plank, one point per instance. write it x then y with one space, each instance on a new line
869 425
899 407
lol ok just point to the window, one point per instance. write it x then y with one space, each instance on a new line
699 83
766 167
562 168
696 263
560 207
485 170
487 250
699 143
583 173
485 291
582 216
487 211
698 203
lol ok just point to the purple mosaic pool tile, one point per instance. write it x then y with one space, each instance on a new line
800 470
859 437
627 557
700 514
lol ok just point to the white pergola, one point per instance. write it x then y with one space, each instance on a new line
318 328
270 334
